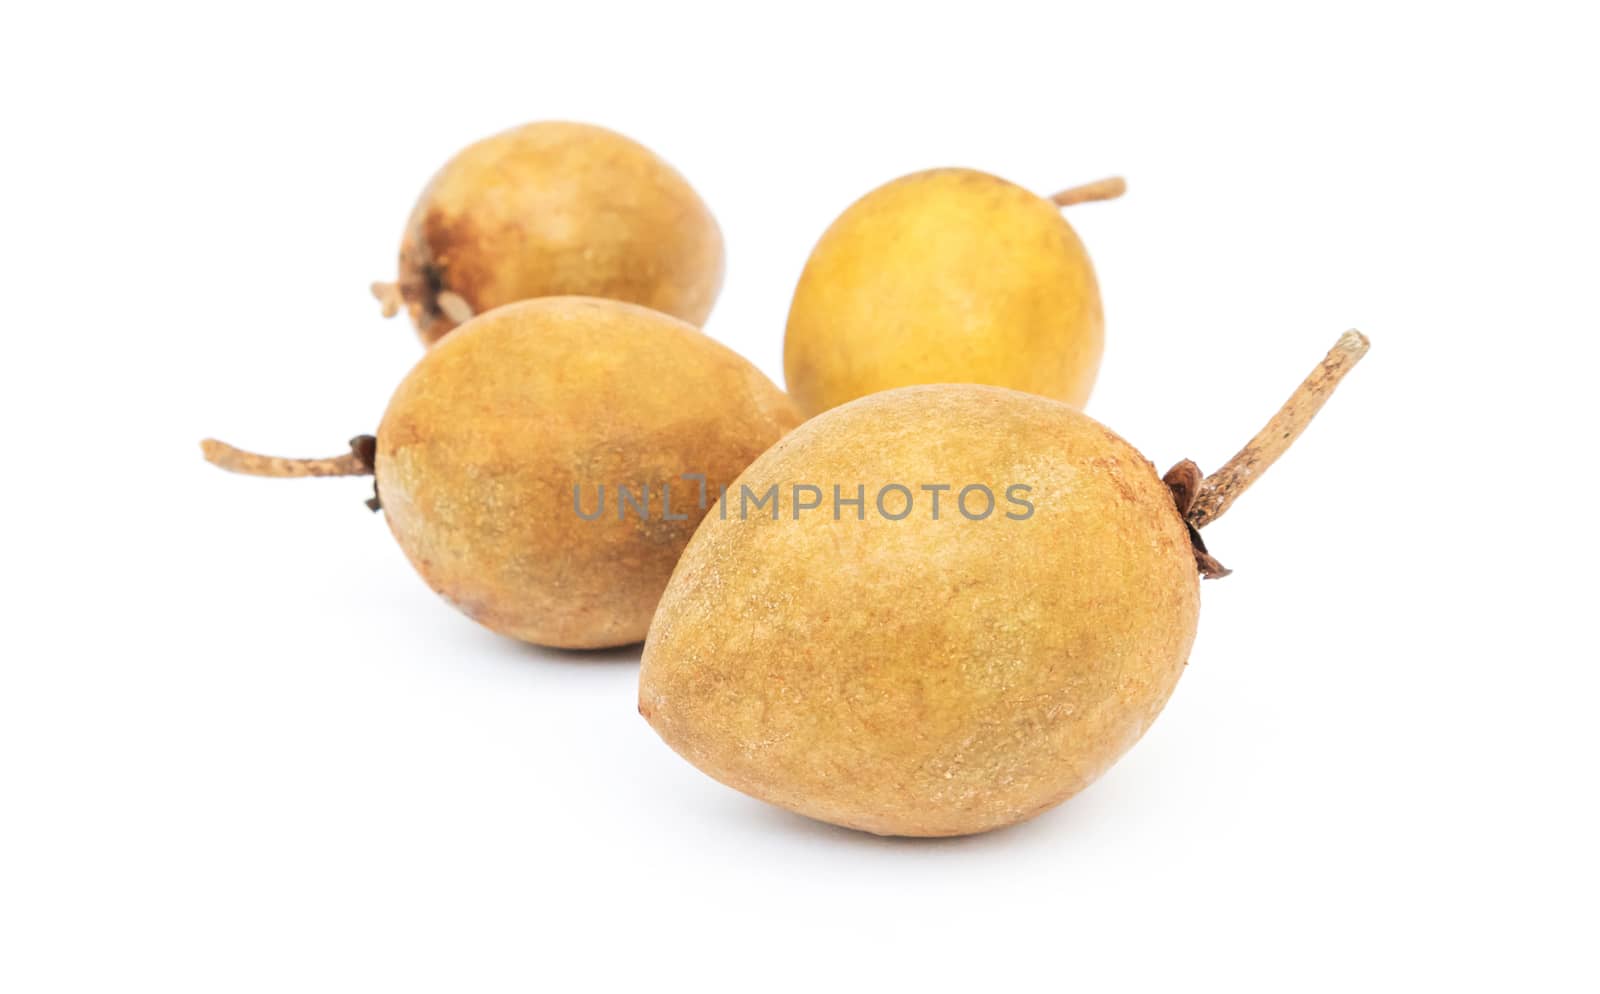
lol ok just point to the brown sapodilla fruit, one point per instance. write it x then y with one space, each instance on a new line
552 209
931 662
500 459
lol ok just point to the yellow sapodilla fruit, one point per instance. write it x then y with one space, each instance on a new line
501 459
911 660
551 209
947 276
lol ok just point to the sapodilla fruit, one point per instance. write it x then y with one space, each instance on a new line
501 457
947 276
932 663
550 209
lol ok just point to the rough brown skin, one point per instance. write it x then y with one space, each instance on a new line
935 677
549 209
483 442
924 677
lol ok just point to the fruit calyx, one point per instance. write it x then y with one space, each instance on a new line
1202 500
393 296
1184 481
1109 188
359 461
421 288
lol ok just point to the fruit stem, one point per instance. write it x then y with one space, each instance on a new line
389 296
1218 491
356 462
1101 189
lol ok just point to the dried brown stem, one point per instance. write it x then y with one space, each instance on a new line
389 296
1104 189
1219 490
356 462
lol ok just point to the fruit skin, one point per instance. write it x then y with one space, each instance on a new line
484 440
945 276
555 208
922 677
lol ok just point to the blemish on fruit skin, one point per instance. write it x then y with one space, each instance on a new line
448 262
557 209
1112 469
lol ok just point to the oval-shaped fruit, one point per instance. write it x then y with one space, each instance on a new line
550 209
928 676
498 438
946 276
941 609
502 457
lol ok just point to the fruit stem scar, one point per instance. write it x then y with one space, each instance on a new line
1109 188
357 462
1218 491
392 297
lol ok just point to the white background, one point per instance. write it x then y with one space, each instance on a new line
243 748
